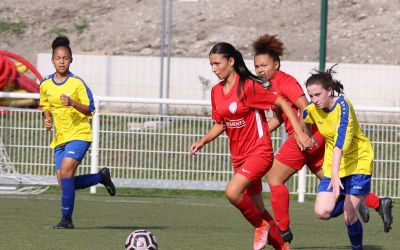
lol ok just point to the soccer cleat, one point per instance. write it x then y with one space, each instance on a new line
64 224
287 235
106 181
261 236
385 211
364 212
286 246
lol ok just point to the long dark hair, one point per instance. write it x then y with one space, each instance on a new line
326 80
227 51
61 41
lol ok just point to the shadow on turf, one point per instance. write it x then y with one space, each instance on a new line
124 227
366 247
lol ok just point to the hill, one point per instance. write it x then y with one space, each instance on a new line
359 31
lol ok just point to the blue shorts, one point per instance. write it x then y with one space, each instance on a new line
356 184
74 149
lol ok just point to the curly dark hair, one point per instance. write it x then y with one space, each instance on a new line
268 45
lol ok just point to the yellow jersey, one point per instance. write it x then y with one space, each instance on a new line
69 124
341 129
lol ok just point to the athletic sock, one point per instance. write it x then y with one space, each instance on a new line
280 206
68 197
250 211
274 236
355 233
372 201
86 180
338 209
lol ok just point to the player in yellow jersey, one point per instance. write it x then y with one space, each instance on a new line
68 106
348 156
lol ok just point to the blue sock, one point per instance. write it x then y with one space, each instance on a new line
338 210
86 180
68 197
355 233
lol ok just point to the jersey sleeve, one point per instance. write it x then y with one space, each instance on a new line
291 90
43 101
256 96
345 131
86 97
214 114
307 117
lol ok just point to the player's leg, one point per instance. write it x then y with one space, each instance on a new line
102 177
325 203
277 177
67 171
236 195
383 206
274 237
354 226
73 153
288 160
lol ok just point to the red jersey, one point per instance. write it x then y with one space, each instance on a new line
244 120
290 90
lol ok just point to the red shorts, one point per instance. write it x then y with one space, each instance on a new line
254 168
291 155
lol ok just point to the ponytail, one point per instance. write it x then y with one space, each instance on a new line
228 51
326 80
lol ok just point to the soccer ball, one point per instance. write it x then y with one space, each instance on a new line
141 240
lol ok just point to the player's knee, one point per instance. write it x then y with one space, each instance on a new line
232 196
322 214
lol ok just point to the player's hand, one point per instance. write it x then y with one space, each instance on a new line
303 141
66 100
195 148
48 124
336 184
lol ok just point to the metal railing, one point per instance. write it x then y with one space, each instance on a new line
152 151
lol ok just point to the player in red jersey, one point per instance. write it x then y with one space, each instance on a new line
290 158
238 102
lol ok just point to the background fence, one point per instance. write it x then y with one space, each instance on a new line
150 150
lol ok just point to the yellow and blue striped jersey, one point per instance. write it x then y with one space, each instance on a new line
341 129
69 124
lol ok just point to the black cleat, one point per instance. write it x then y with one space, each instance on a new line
64 224
106 181
287 235
364 212
385 211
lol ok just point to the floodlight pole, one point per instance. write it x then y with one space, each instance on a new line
323 28
162 9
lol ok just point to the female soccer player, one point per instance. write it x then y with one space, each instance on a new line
67 104
237 104
348 152
290 158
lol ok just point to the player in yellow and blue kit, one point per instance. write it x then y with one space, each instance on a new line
68 106
348 156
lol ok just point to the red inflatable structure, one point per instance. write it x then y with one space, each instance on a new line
13 75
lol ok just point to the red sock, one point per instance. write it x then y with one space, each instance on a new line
250 211
372 201
274 236
280 206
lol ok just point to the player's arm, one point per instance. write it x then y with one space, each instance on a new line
213 133
68 101
275 121
336 184
302 139
45 105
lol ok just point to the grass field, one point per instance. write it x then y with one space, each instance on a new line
180 220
